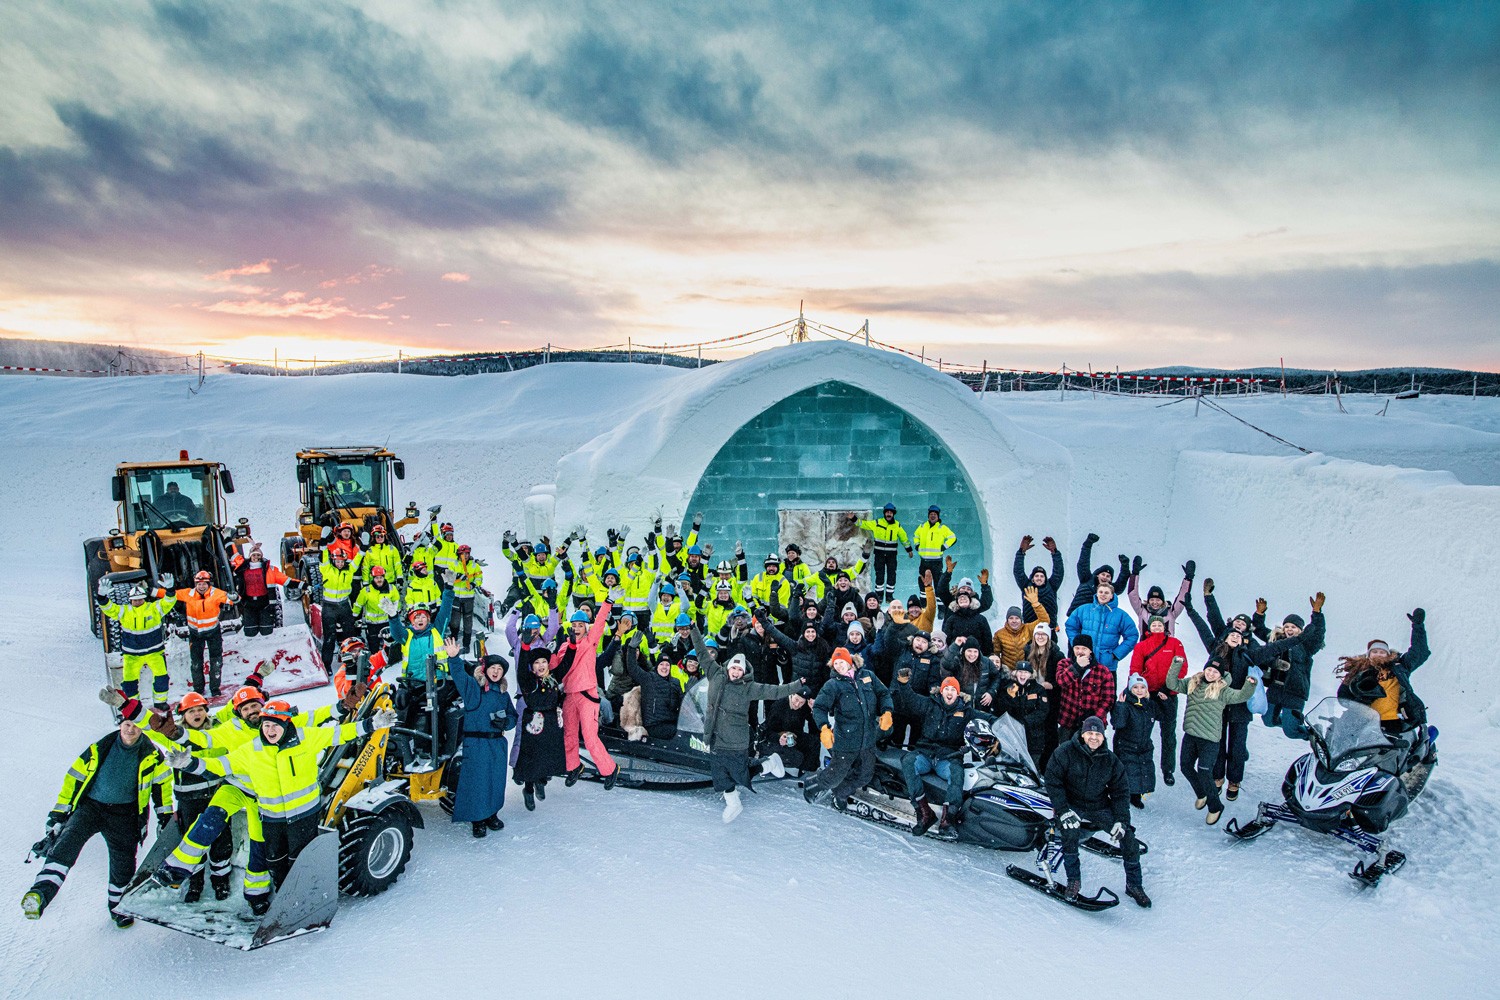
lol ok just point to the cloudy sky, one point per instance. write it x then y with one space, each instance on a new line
1106 183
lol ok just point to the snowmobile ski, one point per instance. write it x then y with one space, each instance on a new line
1370 875
1106 848
1101 900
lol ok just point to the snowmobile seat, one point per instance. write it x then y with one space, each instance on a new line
890 757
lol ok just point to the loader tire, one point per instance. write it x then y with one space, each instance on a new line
450 783
373 850
95 566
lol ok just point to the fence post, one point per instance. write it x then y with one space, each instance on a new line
398 361
1475 393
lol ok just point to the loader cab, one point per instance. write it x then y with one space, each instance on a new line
348 484
171 498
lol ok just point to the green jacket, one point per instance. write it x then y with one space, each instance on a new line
1203 717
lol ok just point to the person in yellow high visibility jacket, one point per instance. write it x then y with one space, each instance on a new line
932 539
421 588
339 576
280 767
109 790
444 553
888 536
143 637
771 583
382 555
468 580
669 608
377 601
636 583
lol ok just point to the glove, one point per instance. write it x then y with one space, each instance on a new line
177 757
1049 543
266 668
1417 617
354 696
613 537
1092 538
739 549
1117 832
825 735
948 563
886 722
1069 820
111 697
1189 569
672 531
103 589
1208 586
1136 566
708 549
182 632
697 520
903 675
383 719
616 595
1025 543
1030 594
1317 601
1261 605
56 820
984 577
623 533
162 722
389 605
166 580
656 524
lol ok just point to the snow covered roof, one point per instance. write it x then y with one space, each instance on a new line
654 457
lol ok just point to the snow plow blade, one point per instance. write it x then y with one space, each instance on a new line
306 902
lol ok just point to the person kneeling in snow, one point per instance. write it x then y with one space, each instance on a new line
726 725
1087 783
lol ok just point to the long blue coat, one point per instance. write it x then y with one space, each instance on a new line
481 779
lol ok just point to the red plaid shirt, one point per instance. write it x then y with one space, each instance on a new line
1081 697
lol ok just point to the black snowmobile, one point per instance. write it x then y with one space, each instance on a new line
678 764
1357 781
1005 806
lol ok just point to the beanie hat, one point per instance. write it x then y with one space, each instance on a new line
950 682
1085 640
1042 628
1092 724
965 583
841 654
913 599
1155 591
1241 618
1012 610
1293 620
1134 680
1378 644
854 627
1156 618
738 660
849 607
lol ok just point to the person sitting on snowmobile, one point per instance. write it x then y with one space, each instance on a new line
1382 679
942 720
1086 783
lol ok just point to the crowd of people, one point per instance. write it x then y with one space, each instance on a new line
796 662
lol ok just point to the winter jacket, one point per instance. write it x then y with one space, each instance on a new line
926 670
972 624
1088 579
1046 594
153 779
932 540
1010 645
809 659
983 599
1203 717
1087 781
142 628
1152 658
580 677
1401 668
387 557
1028 704
974 679
202 610
1111 629
488 716
1081 694
661 697
1132 720
1290 686
855 705
727 725
1169 612
941 725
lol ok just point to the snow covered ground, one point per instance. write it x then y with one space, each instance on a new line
790 899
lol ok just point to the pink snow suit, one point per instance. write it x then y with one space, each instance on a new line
581 698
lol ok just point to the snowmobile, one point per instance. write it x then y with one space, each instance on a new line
678 764
172 524
1005 806
1356 782
363 845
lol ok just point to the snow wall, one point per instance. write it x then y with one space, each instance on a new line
653 458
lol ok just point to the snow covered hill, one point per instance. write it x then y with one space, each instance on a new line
1393 512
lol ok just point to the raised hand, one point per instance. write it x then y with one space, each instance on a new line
1417 617
1025 543
1189 569
1317 601
1030 594
984 576
1049 543
948 563
1261 605
1208 586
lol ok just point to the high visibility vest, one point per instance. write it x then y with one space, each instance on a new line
933 539
468 577
888 535
637 587
202 610
283 779
338 584
423 590
664 619
418 670
763 583
367 605
387 557
141 627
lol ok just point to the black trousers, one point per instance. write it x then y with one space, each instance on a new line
729 769
212 643
923 565
284 841
1234 750
461 624
1200 758
846 773
121 828
338 624
258 615
1104 820
220 852
883 569
1165 712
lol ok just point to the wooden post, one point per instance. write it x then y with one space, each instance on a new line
398 361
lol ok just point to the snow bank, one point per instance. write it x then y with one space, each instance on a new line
654 456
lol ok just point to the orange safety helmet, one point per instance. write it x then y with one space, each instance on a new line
192 700
245 695
277 711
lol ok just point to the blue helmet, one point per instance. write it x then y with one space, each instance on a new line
683 621
891 508
739 611
549 584
611 570
935 509
531 622
578 617
694 550
667 587
600 552
634 556
711 642
630 615
540 548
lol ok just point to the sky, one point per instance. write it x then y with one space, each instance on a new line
1021 184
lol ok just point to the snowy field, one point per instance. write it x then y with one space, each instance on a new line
648 894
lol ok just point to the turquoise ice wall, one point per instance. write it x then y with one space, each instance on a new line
833 445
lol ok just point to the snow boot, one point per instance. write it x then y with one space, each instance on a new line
1232 792
1213 817
541 791
167 877
221 886
480 830
1168 778
814 795
573 776
925 816
611 778
945 829
732 805
841 803
1137 802
194 893
122 920
494 823
259 904
1138 894
1202 801
1219 783
530 798
1073 889
32 904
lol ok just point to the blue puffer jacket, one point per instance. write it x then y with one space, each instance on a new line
1113 632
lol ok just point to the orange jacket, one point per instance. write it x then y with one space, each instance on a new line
202 610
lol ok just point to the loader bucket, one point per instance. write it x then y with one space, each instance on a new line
306 902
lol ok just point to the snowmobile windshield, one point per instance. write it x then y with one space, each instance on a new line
1346 735
1012 736
694 709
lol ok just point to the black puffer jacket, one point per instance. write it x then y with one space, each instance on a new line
661 698
1087 781
809 660
1046 593
855 704
972 625
942 725
926 670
